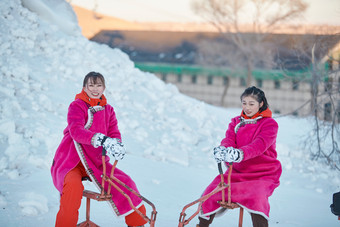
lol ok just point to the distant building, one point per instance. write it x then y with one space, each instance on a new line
290 51
286 93
172 56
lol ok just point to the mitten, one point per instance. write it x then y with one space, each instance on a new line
113 146
229 154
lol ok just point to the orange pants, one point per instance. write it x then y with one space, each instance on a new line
134 219
70 201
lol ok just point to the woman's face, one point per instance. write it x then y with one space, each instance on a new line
94 90
250 106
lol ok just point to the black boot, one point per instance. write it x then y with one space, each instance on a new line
259 220
205 222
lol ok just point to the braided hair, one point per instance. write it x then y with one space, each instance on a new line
257 94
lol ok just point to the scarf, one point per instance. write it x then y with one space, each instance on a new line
244 119
265 113
92 102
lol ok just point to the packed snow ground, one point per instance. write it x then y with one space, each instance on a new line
168 136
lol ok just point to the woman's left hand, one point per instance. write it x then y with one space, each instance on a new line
229 154
116 149
113 146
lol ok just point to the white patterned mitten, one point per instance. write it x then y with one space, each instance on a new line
229 154
113 146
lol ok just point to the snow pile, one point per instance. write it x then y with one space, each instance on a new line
43 70
50 11
43 61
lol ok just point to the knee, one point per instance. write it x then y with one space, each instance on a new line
73 187
76 184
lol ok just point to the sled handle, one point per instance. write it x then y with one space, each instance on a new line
104 166
104 172
219 165
220 170
103 152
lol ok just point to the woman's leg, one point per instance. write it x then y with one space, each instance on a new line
134 219
259 220
71 196
205 222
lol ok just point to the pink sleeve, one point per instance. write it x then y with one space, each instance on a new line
265 138
76 119
230 136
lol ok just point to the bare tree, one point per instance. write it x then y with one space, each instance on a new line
222 53
325 106
265 16
320 55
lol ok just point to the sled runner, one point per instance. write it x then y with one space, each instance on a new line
225 204
112 181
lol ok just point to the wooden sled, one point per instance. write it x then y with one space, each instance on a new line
221 187
106 196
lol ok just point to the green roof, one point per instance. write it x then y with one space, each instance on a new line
223 72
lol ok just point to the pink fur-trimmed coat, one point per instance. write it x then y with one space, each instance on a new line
254 179
76 146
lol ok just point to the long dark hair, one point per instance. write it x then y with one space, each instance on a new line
93 76
257 94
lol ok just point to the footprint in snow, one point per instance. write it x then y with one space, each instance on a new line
33 204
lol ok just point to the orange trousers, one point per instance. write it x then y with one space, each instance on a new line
70 201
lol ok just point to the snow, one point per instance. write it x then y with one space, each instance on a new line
168 136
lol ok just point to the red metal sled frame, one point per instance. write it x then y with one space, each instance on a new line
105 196
221 187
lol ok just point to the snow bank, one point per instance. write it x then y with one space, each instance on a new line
43 70
50 11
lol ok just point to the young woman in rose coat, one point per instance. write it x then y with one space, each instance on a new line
250 144
92 126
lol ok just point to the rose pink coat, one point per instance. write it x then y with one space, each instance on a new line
254 179
76 146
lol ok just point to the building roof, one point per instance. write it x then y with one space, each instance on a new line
292 52
181 69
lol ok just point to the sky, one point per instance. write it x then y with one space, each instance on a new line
319 11
169 136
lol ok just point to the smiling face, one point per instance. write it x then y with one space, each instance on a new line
94 89
250 105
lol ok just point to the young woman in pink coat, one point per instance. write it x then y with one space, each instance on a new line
92 126
250 144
